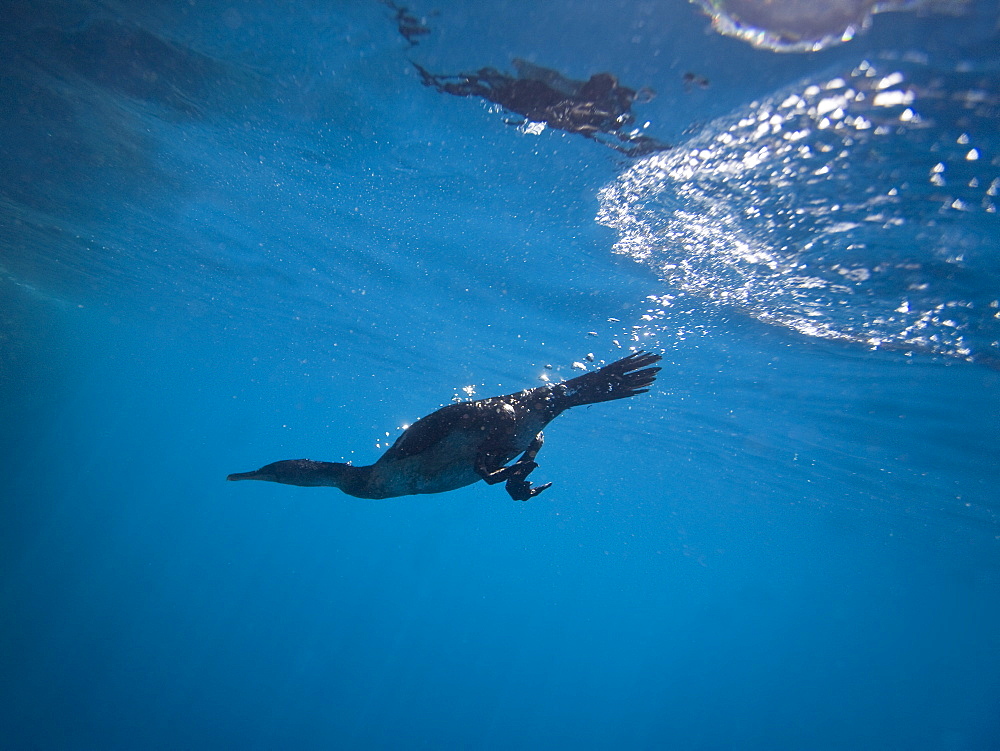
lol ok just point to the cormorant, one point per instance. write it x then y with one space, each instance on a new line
463 443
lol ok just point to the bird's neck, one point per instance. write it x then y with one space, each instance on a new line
348 478
355 480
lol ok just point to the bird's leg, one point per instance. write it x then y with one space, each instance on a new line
518 470
516 474
518 486
533 448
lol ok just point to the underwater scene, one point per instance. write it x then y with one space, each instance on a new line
740 260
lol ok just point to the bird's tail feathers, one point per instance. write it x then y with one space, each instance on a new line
619 380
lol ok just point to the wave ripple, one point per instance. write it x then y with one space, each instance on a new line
862 209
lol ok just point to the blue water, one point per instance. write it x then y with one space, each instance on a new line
237 233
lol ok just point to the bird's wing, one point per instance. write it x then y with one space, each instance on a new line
429 430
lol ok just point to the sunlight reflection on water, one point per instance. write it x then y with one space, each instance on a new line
861 208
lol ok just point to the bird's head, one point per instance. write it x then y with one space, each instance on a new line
303 472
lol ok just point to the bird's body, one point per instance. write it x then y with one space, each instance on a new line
463 443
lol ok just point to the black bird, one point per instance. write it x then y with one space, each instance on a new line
470 441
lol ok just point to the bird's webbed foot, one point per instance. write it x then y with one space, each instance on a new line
522 490
518 486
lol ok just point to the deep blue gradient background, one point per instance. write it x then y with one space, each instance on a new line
231 235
